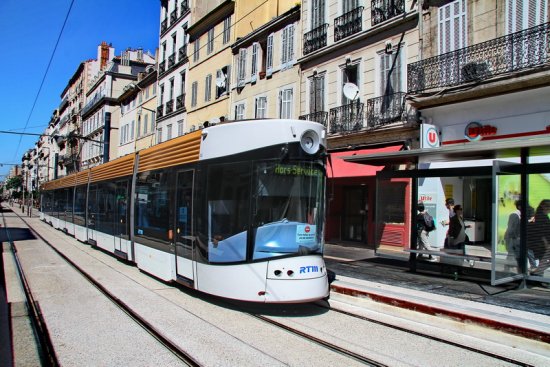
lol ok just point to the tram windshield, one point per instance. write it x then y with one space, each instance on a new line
287 209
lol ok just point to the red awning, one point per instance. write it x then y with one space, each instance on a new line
341 168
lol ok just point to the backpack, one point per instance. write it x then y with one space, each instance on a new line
429 223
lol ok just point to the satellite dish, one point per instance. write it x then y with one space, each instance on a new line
220 81
350 91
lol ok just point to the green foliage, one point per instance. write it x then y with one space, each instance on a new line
15 182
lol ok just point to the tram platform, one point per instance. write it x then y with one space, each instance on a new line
435 290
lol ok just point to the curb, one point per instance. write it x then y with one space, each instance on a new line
437 311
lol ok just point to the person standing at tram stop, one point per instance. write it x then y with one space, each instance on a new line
457 231
512 234
423 233
538 237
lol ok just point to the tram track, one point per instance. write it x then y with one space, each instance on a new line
426 336
335 348
144 324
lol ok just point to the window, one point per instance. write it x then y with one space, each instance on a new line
171 95
261 107
138 127
239 111
241 73
197 47
145 123
168 131
287 51
152 200
524 14
269 55
255 56
152 122
391 75
349 5
154 89
163 51
194 91
132 128
350 74
226 30
174 43
161 98
159 135
182 83
317 93
452 26
317 13
285 103
222 81
210 44
180 127
208 88
140 94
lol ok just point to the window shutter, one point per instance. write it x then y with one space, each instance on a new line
290 43
254 68
452 26
269 56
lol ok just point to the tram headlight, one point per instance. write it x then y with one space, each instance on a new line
310 141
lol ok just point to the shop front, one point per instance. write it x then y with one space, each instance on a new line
490 156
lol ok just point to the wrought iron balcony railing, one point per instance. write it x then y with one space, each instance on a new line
180 101
315 39
386 110
160 111
162 66
348 24
169 106
346 118
514 52
163 26
319 116
382 10
171 60
182 53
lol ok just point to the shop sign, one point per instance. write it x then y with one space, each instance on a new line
475 131
430 136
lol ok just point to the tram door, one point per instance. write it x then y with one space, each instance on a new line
183 232
121 224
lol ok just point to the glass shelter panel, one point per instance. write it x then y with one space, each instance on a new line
538 226
392 206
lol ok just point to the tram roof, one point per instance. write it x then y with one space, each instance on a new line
488 149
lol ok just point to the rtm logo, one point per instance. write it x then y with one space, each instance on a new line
309 269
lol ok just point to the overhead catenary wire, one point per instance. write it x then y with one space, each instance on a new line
45 75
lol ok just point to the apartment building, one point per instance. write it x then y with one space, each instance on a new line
137 114
173 69
100 130
266 72
481 89
209 81
353 80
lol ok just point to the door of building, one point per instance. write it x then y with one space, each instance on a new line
354 221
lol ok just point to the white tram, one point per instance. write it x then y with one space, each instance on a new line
234 210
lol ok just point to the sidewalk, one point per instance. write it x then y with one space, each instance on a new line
358 272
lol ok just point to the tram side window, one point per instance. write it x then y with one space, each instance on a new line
60 204
92 207
105 207
152 209
80 206
46 202
228 198
69 206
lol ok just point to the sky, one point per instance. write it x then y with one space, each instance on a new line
29 32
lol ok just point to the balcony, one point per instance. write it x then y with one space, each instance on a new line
182 53
346 118
386 110
319 116
511 53
160 111
382 10
348 24
171 60
315 39
162 66
163 26
169 106
180 102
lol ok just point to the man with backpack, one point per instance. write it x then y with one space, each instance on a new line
424 224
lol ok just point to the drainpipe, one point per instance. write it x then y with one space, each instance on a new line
106 137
